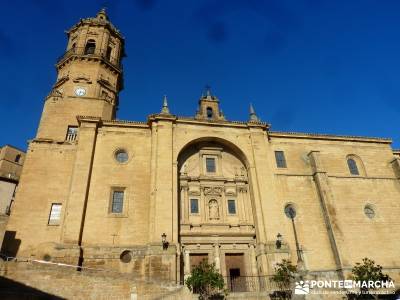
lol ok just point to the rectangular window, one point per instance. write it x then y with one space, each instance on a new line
72 133
194 206
280 159
117 202
232 207
210 165
55 214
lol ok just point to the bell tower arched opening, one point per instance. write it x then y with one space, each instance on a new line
216 219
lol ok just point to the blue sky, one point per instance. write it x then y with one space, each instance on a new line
306 65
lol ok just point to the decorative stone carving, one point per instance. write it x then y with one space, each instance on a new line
213 190
194 190
82 79
184 188
184 170
242 189
213 209
230 190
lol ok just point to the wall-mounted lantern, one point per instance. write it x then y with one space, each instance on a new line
164 241
278 242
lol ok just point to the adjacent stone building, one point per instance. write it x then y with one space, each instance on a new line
157 197
11 161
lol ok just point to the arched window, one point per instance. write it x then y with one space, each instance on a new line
352 166
17 158
90 47
209 112
73 47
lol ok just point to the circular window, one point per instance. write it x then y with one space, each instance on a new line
290 211
126 256
121 156
47 257
369 211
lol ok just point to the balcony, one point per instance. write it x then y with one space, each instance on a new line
91 53
241 284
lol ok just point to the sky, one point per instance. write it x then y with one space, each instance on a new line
328 67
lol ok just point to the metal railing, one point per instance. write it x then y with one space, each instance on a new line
71 137
91 52
250 284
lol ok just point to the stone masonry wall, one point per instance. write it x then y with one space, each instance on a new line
32 280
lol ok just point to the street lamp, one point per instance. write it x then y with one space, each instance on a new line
164 241
291 213
278 242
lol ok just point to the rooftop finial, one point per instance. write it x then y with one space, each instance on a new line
165 109
253 116
208 90
102 14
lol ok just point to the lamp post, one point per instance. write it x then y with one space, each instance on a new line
291 213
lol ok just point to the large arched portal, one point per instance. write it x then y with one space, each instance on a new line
215 207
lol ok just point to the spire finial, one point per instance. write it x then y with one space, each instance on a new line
253 116
102 13
165 109
208 90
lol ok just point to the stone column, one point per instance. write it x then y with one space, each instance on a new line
262 260
175 204
241 202
186 263
217 259
326 201
184 203
204 205
253 261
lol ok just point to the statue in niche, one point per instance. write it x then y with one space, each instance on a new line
213 210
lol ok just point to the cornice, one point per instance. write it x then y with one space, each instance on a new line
96 22
124 123
11 146
88 119
12 179
222 123
67 57
332 137
161 116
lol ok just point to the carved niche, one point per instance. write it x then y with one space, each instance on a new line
213 209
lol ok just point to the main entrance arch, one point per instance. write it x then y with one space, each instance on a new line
216 219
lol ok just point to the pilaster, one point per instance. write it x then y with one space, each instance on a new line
396 167
217 258
164 213
326 202
74 219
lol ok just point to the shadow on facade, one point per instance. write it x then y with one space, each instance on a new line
10 290
10 245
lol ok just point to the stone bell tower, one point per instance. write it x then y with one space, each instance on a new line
89 78
209 107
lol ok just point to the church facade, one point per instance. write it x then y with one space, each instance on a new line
157 197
